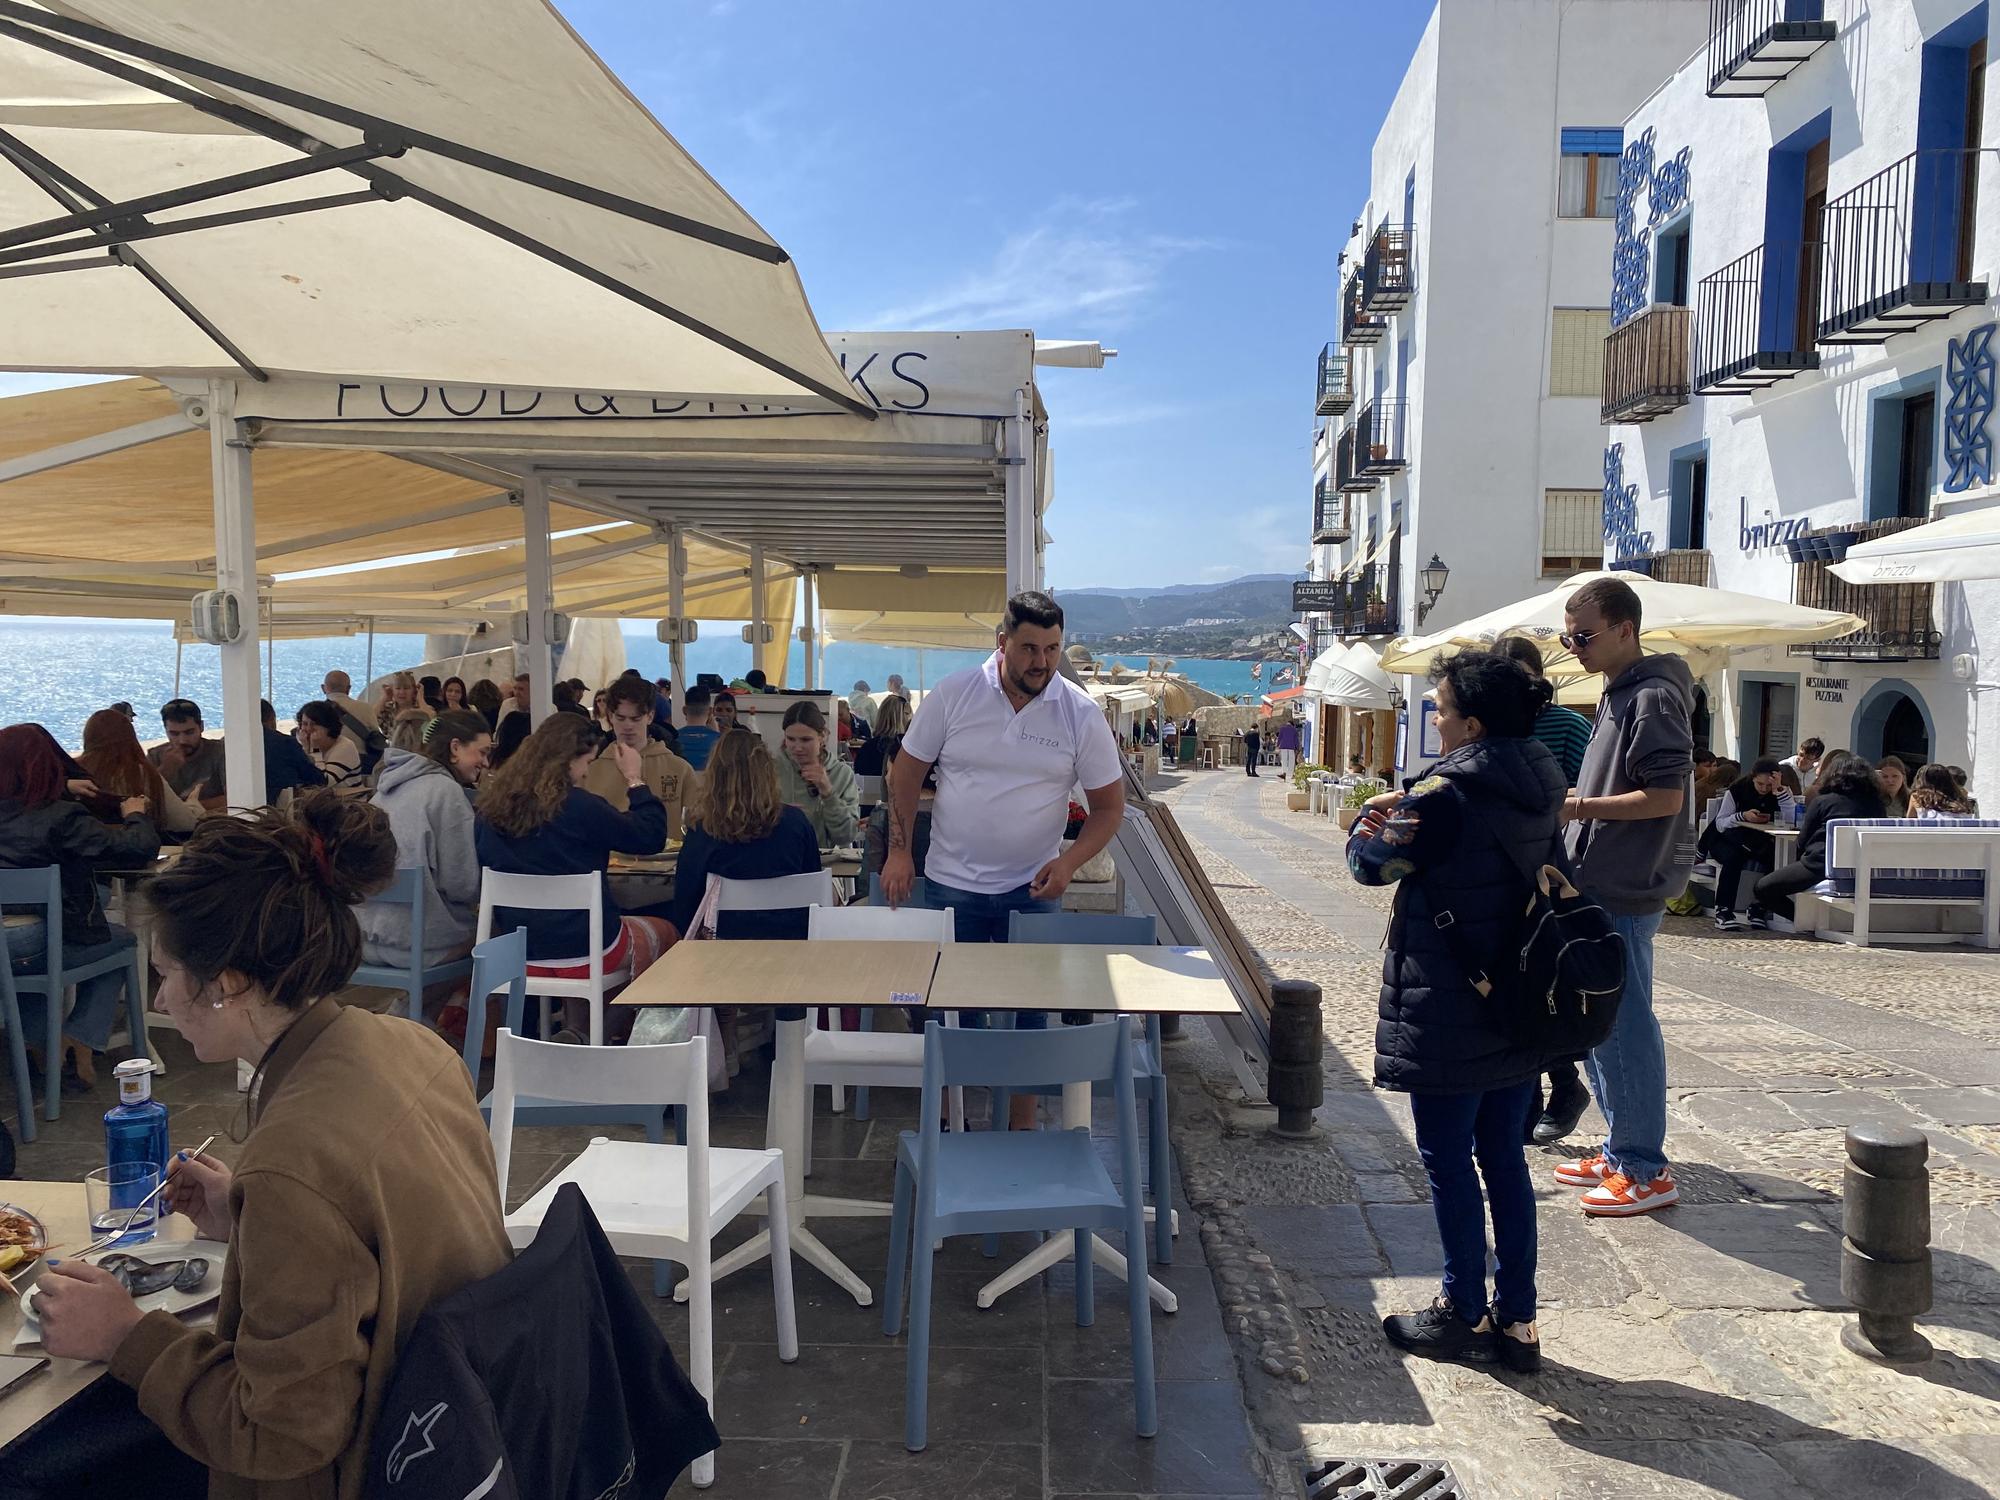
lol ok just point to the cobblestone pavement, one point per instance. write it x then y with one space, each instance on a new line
1692 1353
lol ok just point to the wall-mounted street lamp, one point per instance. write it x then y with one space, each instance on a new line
1434 575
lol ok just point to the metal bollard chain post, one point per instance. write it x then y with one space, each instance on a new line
1296 1084
1885 1257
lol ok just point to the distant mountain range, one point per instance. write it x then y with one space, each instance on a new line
1245 606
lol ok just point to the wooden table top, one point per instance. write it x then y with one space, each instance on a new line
63 1212
766 974
1080 976
665 863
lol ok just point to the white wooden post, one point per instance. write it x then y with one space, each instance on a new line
236 571
810 577
1024 570
535 533
756 604
677 568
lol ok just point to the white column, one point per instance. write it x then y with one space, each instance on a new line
756 604
535 532
1018 453
810 577
677 570
236 571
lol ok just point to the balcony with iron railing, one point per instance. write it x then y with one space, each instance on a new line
1359 327
1336 381
1899 615
1381 441
1754 320
1329 515
1374 606
1753 45
1348 475
1690 565
1646 366
1389 270
1898 248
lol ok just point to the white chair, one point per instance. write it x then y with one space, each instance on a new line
640 1192
778 893
557 893
871 1059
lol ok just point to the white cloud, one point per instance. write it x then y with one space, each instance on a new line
1080 263
1133 414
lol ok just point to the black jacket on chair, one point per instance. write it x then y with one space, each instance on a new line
1471 830
546 1381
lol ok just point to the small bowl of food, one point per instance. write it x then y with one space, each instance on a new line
23 1239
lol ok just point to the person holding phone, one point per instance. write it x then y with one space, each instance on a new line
816 781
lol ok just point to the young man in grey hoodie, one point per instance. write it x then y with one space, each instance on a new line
1631 840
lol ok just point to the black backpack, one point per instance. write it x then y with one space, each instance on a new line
372 742
1557 988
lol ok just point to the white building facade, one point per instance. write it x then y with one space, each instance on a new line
1802 357
1460 406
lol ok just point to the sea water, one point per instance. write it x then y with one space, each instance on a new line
57 672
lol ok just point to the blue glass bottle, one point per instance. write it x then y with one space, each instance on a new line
135 1130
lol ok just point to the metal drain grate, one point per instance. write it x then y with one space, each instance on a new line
1383 1479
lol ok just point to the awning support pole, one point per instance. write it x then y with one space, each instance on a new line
236 571
756 604
810 578
1023 561
178 648
369 670
535 533
677 566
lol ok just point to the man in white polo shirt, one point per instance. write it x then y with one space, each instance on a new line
1010 739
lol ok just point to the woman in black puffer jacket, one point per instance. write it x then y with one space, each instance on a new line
1466 839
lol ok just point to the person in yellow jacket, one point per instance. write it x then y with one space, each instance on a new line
629 702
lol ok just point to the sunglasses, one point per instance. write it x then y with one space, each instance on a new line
1576 640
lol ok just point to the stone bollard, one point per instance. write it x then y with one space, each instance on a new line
1885 1257
1296 1084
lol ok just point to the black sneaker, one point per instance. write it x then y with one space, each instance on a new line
1560 1119
1438 1332
1760 919
1518 1345
1727 920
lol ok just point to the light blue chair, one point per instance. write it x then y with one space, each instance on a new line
407 889
501 963
17 1044
43 888
1001 1181
1149 1074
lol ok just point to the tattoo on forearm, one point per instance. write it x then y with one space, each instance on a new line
899 835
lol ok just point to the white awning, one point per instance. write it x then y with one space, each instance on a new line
1960 548
225 187
1350 676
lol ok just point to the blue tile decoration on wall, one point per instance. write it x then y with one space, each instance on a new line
1622 535
1968 413
1666 188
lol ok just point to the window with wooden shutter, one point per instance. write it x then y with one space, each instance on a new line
1572 531
1576 351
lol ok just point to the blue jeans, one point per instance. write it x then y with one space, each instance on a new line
1453 1130
982 918
96 999
1628 1073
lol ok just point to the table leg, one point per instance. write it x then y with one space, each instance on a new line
785 1128
1076 1115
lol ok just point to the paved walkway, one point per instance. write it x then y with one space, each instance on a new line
1693 1353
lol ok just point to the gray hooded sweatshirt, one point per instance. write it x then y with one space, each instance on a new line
1641 739
431 815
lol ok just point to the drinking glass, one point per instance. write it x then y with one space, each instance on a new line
114 1192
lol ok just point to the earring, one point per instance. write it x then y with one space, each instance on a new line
217 1004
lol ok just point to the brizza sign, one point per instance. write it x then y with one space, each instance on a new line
938 374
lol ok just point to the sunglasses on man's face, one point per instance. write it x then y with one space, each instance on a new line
1576 640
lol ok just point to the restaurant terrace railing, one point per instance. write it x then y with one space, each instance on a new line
1646 366
1899 615
1348 475
1336 381
1381 436
1756 44
1690 565
1359 327
1747 324
1389 270
1898 248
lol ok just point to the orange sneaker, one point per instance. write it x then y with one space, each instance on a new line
1619 1197
1588 1172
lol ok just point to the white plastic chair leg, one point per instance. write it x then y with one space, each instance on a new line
701 1349
778 1221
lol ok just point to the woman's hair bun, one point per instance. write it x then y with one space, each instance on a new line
343 843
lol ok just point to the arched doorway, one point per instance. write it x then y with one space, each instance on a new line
1893 719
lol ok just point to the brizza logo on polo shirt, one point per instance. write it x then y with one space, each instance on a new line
1043 740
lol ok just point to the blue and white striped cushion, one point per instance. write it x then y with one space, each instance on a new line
1929 883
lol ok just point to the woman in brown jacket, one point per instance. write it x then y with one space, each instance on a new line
364 1191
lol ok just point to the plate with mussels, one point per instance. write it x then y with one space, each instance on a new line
163 1276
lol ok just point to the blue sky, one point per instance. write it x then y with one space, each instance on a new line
1171 178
